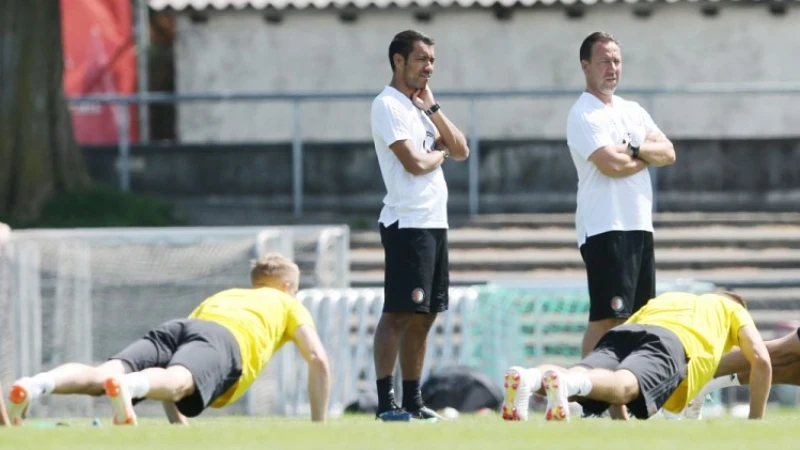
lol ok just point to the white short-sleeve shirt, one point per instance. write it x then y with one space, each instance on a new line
414 201
606 203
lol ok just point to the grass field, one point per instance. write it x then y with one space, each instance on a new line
780 431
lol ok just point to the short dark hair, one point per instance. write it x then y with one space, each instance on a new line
588 43
403 43
735 297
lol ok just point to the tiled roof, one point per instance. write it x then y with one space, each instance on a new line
199 5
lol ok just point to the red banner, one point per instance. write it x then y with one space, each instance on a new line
99 58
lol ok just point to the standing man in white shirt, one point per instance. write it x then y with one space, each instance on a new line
413 138
612 142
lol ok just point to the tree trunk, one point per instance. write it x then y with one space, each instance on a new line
38 153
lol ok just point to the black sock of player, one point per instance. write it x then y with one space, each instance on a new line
412 395
385 393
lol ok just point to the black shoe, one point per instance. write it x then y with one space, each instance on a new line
393 414
425 413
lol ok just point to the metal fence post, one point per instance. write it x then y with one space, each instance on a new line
123 165
143 53
472 165
297 160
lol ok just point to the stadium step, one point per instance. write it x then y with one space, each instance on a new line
756 254
737 278
757 237
529 259
660 220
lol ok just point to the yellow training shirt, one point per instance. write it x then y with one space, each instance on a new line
707 326
261 320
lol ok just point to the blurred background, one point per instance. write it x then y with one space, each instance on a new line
150 149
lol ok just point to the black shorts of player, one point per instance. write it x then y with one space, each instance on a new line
207 349
621 273
653 354
417 277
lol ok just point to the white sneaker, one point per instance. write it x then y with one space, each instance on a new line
694 410
518 394
121 402
557 398
19 397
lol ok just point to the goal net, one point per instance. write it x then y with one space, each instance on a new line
84 294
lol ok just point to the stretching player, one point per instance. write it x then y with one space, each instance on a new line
660 357
733 370
209 359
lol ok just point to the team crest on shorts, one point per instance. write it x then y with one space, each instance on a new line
417 295
617 304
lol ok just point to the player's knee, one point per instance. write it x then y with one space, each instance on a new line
423 322
396 322
626 387
182 382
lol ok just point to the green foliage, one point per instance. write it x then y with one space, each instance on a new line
362 223
101 206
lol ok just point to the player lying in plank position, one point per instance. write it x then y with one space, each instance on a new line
208 359
660 357
733 370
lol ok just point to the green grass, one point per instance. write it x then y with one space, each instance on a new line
780 431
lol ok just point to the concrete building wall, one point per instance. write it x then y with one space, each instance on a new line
313 51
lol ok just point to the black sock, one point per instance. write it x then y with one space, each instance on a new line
412 395
385 393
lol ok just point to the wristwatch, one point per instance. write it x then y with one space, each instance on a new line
634 150
433 109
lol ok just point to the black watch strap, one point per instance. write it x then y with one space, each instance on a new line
634 151
433 109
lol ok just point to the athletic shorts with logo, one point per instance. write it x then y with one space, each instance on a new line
621 272
416 275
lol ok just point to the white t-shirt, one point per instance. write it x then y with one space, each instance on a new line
416 201
606 203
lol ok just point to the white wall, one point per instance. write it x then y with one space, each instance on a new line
312 50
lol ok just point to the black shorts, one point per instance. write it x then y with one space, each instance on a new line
417 277
621 272
207 349
653 354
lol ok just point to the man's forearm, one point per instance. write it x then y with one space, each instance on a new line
452 137
624 166
319 390
423 163
173 415
428 162
632 167
659 153
760 384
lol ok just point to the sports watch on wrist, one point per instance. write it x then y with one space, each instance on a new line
634 150
433 109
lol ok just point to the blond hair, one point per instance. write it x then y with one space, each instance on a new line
735 297
273 270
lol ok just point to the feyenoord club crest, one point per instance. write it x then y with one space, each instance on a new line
418 295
